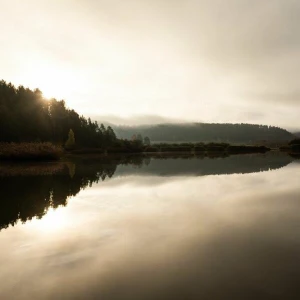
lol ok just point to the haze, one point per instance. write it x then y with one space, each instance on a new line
142 60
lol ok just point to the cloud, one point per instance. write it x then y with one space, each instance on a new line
288 98
196 60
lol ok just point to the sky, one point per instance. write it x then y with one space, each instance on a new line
144 61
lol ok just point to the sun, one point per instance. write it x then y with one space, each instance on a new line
53 80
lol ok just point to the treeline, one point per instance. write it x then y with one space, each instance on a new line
206 132
26 116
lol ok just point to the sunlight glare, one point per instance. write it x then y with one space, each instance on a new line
54 220
53 81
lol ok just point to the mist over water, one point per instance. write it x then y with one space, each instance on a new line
140 228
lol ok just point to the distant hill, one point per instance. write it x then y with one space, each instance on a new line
207 132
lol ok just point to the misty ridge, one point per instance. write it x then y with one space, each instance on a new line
207 132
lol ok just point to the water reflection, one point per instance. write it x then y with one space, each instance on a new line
152 237
28 194
29 190
201 166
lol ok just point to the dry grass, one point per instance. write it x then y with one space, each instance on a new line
30 151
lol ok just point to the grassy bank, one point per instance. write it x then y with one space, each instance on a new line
30 151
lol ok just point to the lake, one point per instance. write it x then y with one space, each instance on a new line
151 228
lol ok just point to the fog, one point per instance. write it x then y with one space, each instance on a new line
196 60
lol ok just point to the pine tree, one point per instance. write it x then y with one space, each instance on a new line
147 141
70 143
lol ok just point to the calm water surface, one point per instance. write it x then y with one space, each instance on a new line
151 228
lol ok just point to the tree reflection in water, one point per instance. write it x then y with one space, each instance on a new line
29 190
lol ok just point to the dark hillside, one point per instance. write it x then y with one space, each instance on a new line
206 132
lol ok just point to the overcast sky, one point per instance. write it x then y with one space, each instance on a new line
156 60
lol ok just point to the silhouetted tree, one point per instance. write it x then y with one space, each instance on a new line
146 141
70 143
139 138
110 136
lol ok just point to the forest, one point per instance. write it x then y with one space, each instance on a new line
26 116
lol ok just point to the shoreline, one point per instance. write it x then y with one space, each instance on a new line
51 153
